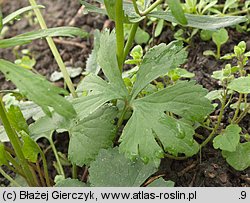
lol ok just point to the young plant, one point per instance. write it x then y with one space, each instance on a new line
219 37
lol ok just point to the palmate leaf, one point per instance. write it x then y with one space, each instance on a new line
229 139
158 61
149 125
112 169
51 32
38 89
100 90
240 158
87 136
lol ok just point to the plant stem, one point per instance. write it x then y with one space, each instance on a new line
212 134
16 144
237 108
54 50
119 27
9 178
218 52
130 40
243 114
74 171
152 7
136 7
57 157
120 121
175 157
40 174
16 166
45 168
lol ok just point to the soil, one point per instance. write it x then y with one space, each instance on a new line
205 169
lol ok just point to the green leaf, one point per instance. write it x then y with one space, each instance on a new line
92 66
30 148
158 61
204 22
161 183
112 169
177 11
17 120
91 134
3 136
87 135
141 36
220 37
17 13
37 89
3 160
229 139
149 125
51 32
239 159
241 85
110 7
70 183
99 90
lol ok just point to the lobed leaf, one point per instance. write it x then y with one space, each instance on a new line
241 85
112 169
229 139
38 89
158 61
240 158
149 125
51 32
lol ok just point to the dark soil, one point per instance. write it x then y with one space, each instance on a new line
205 169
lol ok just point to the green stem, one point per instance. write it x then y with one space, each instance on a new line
9 178
130 40
136 7
242 115
54 50
237 108
40 174
218 52
57 157
13 137
152 7
74 171
121 119
175 157
16 166
212 134
45 168
119 14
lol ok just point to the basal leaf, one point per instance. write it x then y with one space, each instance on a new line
51 32
99 90
91 134
229 139
177 11
241 85
204 22
112 169
17 13
149 126
87 135
37 89
158 61
239 159
70 183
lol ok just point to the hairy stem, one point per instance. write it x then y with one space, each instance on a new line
54 50
119 27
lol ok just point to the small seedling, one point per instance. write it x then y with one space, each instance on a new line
219 37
